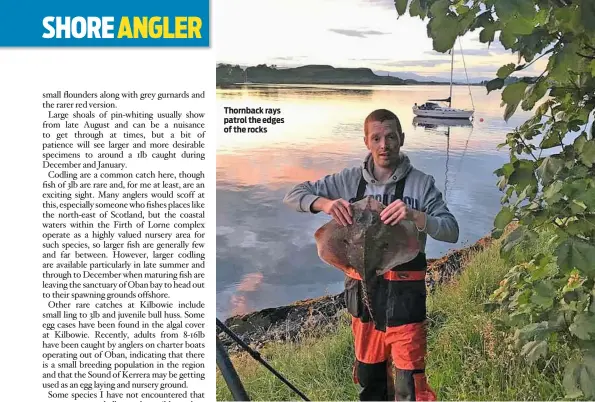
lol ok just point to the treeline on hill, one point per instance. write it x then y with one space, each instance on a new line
309 74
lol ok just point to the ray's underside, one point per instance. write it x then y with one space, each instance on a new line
367 247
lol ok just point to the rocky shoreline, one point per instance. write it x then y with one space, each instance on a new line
315 317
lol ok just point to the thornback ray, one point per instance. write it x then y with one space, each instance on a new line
367 247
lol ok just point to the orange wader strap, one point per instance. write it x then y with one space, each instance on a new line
396 275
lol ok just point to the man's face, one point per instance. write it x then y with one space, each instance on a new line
384 142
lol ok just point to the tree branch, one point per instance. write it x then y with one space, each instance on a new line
539 57
530 150
586 56
558 133
586 220
562 228
541 75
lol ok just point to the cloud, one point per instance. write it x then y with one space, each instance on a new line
289 58
494 50
380 3
417 63
357 33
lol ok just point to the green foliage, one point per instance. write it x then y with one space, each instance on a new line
548 295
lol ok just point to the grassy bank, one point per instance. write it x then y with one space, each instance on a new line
468 357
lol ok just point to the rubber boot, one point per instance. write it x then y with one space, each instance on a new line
373 381
412 385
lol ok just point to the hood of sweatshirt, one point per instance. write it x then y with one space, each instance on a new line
403 168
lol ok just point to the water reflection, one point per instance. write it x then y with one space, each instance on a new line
266 255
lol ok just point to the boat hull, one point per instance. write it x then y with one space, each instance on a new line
443 113
437 122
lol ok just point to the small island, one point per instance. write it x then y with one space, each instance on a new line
315 74
228 74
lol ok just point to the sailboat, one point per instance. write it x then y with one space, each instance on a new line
434 110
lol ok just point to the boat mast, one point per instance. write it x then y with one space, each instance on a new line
447 156
452 58
466 75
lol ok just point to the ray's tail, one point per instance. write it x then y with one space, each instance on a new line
366 299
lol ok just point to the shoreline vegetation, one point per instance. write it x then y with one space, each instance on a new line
229 75
470 357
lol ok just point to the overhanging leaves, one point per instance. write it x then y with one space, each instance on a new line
447 26
587 197
512 96
495 84
576 253
503 218
587 153
511 9
580 142
571 379
552 177
523 175
515 238
544 294
488 32
401 6
417 9
507 38
513 93
549 168
583 326
587 377
505 70
534 350
534 93
553 192
535 331
519 26
587 13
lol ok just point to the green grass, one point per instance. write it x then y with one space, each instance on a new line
321 368
468 357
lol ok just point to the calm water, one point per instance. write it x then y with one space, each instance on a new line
266 255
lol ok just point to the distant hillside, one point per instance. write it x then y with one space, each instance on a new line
407 75
310 74
512 80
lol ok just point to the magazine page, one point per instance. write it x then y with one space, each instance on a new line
298 200
108 170
405 199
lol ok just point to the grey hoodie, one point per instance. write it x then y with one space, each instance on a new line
420 193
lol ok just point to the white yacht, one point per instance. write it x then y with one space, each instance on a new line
432 109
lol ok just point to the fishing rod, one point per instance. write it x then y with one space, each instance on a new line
235 381
230 374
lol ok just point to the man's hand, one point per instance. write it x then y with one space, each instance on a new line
398 210
339 209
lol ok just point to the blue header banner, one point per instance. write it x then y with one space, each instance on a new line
110 23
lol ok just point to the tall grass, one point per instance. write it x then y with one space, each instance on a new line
469 357
321 368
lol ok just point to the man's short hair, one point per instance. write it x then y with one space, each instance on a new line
381 115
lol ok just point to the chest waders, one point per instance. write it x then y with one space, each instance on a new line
399 332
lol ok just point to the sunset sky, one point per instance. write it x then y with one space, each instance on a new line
345 33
